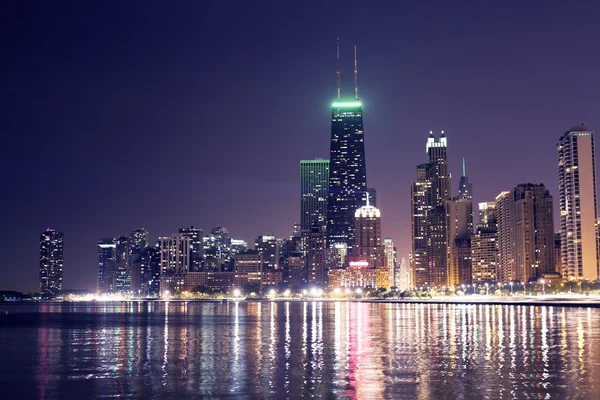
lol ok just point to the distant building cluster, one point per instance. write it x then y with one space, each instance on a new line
515 240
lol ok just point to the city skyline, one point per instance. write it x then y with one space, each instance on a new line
488 112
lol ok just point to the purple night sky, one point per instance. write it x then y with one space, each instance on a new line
121 115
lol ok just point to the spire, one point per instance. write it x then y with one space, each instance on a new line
355 76
464 168
367 199
337 67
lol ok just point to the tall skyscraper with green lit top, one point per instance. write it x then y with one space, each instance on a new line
347 171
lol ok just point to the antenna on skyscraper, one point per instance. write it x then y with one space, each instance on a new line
337 67
355 76
464 168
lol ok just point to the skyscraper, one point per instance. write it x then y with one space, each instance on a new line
577 202
315 256
389 254
107 253
51 262
314 191
122 266
196 247
175 254
347 171
368 241
150 271
138 241
525 233
484 245
217 250
429 258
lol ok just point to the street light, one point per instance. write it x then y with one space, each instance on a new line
486 288
236 293
511 290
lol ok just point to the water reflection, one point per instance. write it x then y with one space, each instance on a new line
291 350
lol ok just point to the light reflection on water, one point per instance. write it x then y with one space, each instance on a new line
292 350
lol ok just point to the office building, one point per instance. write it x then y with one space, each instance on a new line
175 254
389 255
51 262
296 270
577 204
248 271
107 254
484 245
368 241
150 271
347 171
138 241
268 247
314 191
316 256
196 247
429 193
122 266
525 233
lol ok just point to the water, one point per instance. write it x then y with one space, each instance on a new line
294 350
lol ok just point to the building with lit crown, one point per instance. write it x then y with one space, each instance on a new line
347 171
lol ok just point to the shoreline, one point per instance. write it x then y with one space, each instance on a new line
552 301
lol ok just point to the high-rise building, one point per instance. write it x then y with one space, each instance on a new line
484 245
175 254
150 271
217 250
437 153
465 193
421 205
525 233
51 262
557 253
577 202
429 194
389 255
403 278
138 241
268 247
458 230
107 254
122 267
437 248
314 191
372 193
296 269
196 247
347 171
248 271
316 256
368 241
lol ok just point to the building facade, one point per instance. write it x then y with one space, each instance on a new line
196 247
316 256
51 262
347 171
175 254
525 233
314 191
484 245
107 253
577 202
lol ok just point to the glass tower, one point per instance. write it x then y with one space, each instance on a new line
314 190
51 262
347 171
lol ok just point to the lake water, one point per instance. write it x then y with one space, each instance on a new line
292 350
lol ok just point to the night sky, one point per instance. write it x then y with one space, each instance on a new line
126 114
